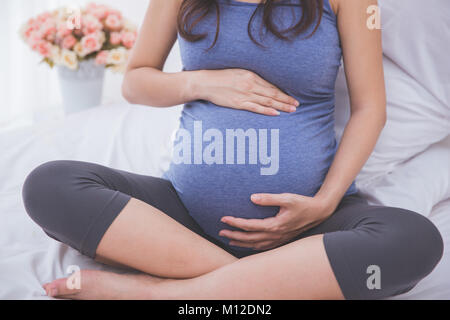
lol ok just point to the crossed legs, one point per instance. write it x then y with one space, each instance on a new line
163 248
139 222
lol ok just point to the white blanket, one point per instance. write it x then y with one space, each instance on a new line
128 138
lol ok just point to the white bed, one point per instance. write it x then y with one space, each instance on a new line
133 138
409 168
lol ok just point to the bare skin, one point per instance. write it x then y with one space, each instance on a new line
202 255
243 279
182 264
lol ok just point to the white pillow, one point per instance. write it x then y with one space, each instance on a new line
417 39
416 42
418 184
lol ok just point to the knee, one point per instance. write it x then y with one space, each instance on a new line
41 189
416 244
403 244
425 240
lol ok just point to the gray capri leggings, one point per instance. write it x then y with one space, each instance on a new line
76 202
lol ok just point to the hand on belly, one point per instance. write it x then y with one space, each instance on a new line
211 193
243 90
297 214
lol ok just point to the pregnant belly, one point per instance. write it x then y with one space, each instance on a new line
212 192
212 187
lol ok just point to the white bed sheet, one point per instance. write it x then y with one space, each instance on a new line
126 137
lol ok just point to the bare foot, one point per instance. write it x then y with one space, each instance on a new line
101 285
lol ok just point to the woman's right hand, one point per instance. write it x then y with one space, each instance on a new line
243 90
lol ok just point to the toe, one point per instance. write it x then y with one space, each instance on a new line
60 288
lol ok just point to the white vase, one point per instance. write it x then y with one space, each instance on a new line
81 89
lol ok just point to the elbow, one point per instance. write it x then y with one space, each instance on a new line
384 120
134 93
383 116
374 113
380 118
127 90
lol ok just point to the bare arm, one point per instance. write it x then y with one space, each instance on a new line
145 83
362 49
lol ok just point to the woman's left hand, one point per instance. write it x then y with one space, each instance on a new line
297 214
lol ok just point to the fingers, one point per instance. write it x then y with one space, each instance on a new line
251 237
260 246
255 225
259 96
310 226
278 200
267 241
257 108
272 103
277 96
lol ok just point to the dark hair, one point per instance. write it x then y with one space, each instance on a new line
193 11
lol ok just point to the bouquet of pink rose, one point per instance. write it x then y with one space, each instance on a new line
68 36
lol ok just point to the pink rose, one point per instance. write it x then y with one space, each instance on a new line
128 39
34 39
98 11
29 27
115 12
48 29
51 37
113 22
115 38
102 57
44 48
63 31
28 31
43 17
92 42
90 24
68 42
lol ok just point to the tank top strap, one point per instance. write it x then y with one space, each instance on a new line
328 9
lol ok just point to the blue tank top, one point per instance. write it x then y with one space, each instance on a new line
222 155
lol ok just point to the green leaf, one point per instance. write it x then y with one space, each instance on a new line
49 62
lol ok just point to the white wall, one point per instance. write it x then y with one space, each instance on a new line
27 88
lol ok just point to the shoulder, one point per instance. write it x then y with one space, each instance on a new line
334 5
337 5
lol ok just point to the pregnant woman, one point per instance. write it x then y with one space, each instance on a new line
260 200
